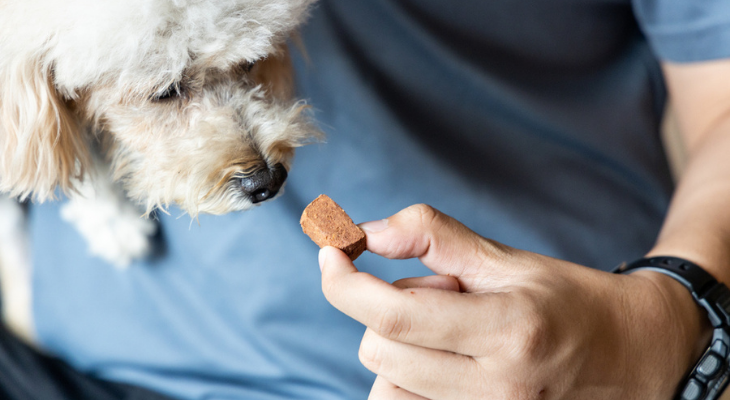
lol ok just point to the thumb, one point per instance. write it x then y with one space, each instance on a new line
443 244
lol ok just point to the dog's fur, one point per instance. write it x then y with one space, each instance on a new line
174 100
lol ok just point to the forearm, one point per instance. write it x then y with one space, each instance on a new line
697 226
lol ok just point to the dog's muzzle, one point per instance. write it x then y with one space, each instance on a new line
264 184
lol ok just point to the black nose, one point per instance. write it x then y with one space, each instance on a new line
264 184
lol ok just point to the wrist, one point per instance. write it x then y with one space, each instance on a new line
667 333
691 322
708 377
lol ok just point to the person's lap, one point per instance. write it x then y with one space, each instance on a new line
26 374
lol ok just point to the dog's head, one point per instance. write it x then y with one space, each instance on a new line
188 100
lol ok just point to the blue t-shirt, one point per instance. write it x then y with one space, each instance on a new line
534 122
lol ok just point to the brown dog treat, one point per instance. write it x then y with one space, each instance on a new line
327 224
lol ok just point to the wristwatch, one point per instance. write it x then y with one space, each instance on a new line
709 377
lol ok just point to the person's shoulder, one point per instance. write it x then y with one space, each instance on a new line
686 31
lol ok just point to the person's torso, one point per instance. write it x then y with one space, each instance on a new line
535 123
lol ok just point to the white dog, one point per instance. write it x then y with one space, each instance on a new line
153 101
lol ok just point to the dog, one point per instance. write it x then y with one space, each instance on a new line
128 107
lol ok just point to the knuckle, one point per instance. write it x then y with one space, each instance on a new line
392 325
532 337
424 213
532 333
370 355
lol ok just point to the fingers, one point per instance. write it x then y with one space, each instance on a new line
415 372
384 390
434 318
443 244
407 370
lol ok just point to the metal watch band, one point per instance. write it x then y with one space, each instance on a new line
709 377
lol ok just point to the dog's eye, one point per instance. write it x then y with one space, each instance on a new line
247 66
172 91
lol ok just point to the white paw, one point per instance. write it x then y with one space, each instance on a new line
114 228
15 270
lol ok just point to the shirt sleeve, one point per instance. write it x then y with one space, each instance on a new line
686 30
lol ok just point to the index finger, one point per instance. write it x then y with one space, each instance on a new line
426 317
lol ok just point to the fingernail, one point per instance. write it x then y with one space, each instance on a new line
322 258
374 226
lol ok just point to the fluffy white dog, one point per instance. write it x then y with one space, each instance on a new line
153 101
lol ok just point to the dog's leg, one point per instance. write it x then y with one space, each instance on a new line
15 269
112 225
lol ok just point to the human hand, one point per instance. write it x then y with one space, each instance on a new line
501 323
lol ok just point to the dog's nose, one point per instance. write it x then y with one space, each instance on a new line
264 184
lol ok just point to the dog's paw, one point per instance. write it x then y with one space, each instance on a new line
113 227
15 270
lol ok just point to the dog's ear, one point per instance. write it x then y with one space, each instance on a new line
41 146
276 74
